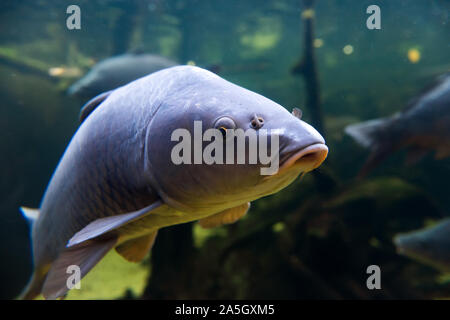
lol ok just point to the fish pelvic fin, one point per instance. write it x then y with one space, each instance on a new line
374 159
30 214
225 217
135 250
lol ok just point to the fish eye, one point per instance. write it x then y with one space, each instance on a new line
223 124
223 131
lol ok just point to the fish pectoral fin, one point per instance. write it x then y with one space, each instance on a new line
104 225
135 250
92 104
225 217
73 264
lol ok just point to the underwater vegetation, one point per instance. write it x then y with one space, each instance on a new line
314 239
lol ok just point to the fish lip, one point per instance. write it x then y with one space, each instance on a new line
293 157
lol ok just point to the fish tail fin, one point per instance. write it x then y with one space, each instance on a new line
367 133
34 287
374 135
30 214
82 257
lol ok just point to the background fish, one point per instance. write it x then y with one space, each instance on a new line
116 185
423 126
114 72
430 245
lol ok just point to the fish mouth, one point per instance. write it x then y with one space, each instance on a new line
307 158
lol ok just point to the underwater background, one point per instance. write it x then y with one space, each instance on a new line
313 240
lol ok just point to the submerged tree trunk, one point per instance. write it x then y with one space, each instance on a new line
124 27
170 264
307 68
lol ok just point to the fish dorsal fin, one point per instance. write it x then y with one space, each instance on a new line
225 217
296 112
432 85
92 104
135 250
30 214
102 226
63 270
137 50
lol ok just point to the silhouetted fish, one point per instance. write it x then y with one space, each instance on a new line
423 126
117 71
430 246
116 183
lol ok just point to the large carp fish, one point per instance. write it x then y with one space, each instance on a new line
117 182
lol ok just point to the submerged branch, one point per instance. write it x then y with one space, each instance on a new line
24 67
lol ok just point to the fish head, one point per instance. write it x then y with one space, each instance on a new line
264 147
412 245
429 246
88 86
105 75
419 248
